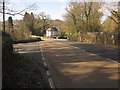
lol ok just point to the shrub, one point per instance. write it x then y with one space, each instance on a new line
7 46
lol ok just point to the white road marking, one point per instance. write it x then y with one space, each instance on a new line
51 83
16 50
42 54
20 49
43 58
45 64
112 60
28 51
47 72
57 55
76 47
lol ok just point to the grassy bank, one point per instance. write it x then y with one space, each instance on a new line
27 41
17 70
22 73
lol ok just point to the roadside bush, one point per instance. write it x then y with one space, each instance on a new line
7 46
96 37
73 37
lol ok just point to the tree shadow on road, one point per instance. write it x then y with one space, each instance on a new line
81 70
75 69
88 75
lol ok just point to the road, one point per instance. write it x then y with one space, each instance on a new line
74 65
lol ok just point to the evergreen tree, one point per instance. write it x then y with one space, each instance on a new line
10 26
29 21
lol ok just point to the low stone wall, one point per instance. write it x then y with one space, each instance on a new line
96 37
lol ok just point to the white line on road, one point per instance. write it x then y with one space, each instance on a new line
16 50
76 47
47 72
43 58
51 83
52 86
29 49
45 64
42 54
112 60
41 50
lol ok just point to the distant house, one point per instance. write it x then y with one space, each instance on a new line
52 32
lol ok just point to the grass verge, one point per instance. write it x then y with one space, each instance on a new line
27 41
20 72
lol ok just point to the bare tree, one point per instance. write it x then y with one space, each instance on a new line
83 16
44 17
115 14
4 10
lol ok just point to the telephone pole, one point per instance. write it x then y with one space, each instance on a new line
3 15
119 16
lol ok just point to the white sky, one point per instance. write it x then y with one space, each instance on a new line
55 8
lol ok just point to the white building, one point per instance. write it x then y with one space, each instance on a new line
52 32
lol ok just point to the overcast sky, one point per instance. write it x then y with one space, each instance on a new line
55 8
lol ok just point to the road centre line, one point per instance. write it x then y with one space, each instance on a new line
47 72
51 83
43 58
50 79
42 54
76 47
45 64
41 50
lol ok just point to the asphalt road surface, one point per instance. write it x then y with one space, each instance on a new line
74 65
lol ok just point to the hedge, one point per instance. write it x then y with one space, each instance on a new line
7 46
96 37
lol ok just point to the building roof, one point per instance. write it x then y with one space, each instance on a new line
52 29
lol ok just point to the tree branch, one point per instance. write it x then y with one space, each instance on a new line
18 12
